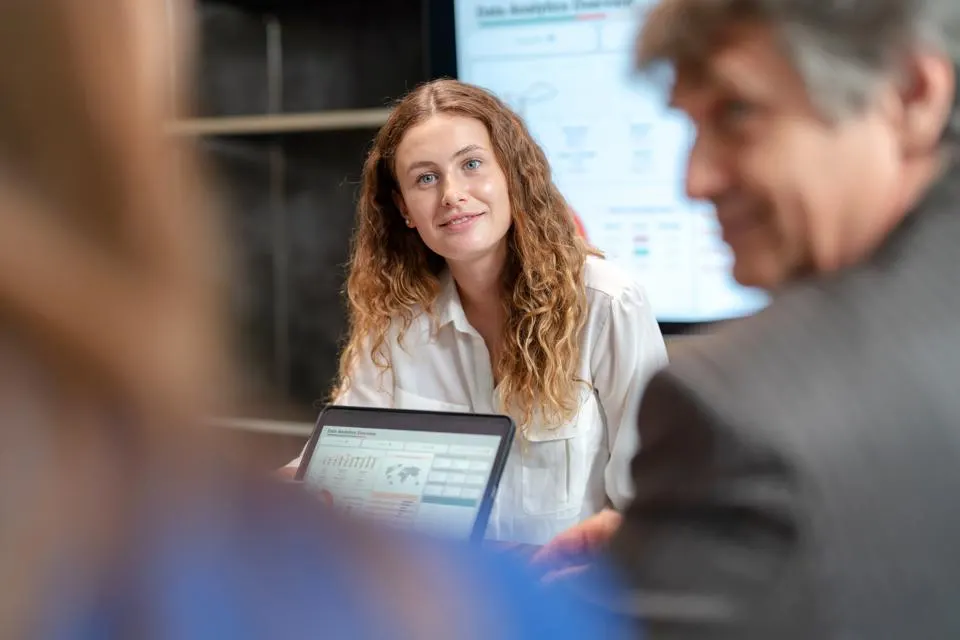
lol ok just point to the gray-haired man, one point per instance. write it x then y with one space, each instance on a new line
799 470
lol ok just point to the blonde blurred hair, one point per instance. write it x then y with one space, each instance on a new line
108 271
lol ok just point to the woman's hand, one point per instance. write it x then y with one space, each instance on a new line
572 552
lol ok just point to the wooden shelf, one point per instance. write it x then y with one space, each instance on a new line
283 123
270 427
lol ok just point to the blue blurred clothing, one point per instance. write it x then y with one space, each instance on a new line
272 565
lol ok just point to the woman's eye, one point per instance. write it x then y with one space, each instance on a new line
472 165
427 178
732 112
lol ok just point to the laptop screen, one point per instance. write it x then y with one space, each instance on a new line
432 482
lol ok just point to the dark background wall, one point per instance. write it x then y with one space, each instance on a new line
290 197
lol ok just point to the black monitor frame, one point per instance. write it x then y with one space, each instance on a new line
440 39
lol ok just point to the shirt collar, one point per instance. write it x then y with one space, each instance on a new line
449 309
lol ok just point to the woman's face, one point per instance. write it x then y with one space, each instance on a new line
452 190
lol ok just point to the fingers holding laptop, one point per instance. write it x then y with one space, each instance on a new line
573 551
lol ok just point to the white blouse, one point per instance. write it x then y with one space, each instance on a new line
556 476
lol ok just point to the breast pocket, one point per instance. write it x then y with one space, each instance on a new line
552 465
406 400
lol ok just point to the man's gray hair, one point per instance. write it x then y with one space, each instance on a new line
841 48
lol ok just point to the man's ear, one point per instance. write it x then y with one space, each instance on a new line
928 100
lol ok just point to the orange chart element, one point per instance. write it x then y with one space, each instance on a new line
579 224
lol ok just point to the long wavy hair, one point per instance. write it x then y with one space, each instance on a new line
395 276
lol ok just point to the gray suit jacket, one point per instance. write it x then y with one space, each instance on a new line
799 471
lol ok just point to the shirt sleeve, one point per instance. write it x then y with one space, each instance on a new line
370 386
629 351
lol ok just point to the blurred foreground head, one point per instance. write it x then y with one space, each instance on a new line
106 257
819 123
109 337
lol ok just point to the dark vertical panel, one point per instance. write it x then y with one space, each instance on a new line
348 55
242 171
337 55
321 194
232 65
334 56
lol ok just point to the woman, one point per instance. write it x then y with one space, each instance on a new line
119 517
470 290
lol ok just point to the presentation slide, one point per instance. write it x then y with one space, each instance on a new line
617 153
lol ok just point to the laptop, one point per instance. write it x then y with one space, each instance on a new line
427 471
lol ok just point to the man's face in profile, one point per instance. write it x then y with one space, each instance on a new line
790 188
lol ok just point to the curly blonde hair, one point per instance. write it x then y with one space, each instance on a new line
393 275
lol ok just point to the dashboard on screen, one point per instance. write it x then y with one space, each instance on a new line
617 153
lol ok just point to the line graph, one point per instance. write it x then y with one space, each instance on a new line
535 93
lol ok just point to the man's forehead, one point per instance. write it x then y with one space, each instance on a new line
749 63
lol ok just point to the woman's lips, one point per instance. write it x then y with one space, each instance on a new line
461 222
